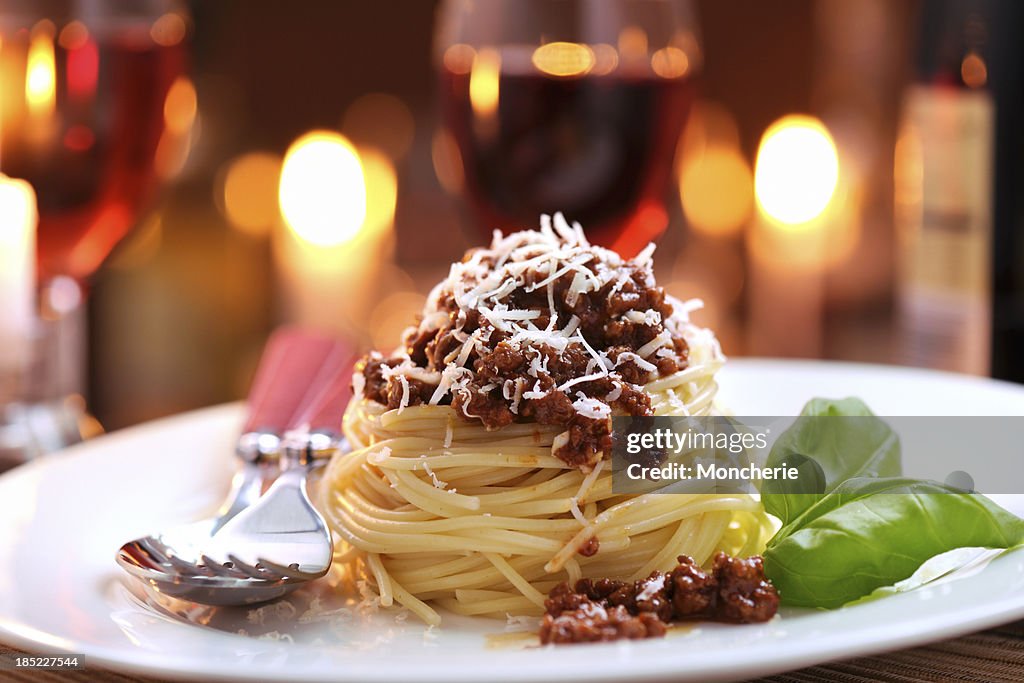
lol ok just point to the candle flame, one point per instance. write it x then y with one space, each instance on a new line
797 170
40 73
322 191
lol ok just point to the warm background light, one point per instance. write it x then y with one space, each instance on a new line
444 153
563 59
73 36
606 59
973 70
381 189
484 82
632 44
716 186
322 191
249 192
797 170
670 62
180 105
180 111
40 72
716 190
168 30
459 58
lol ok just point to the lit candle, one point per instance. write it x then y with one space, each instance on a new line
338 207
795 181
18 220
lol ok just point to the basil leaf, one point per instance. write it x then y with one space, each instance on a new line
948 566
846 492
832 441
870 533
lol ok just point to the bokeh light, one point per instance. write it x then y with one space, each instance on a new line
180 111
40 72
381 188
484 82
73 36
447 160
168 30
670 62
563 59
632 44
606 59
249 192
973 70
322 191
458 58
715 187
180 105
797 170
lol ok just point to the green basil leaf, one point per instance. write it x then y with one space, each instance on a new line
870 533
832 441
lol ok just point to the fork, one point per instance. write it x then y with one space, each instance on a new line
170 561
282 537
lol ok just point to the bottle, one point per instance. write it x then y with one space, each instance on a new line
944 193
960 191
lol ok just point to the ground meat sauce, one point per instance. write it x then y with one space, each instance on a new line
734 591
541 326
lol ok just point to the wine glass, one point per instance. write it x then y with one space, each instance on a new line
95 112
568 105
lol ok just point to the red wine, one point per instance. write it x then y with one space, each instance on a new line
92 160
598 148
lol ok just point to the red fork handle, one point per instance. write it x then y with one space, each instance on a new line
328 395
291 361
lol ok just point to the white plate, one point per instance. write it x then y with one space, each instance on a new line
65 515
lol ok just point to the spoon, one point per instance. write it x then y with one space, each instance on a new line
170 561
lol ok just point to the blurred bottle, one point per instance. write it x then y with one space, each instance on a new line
944 192
959 206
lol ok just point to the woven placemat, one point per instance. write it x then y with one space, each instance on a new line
996 655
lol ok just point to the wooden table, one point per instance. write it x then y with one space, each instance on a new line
995 655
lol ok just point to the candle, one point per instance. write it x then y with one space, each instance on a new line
795 179
338 207
18 220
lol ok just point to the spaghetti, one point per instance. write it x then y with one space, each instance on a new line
438 507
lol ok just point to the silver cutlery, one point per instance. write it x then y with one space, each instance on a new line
282 536
172 561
